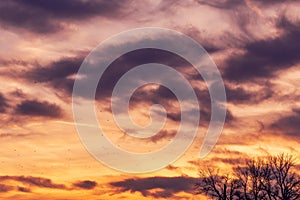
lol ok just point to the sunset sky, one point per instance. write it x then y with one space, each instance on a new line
255 45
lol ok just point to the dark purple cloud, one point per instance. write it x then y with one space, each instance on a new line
168 186
56 74
209 44
160 95
233 4
5 188
56 70
86 184
38 108
132 59
3 103
42 16
223 4
272 2
163 96
41 182
24 189
288 124
239 95
34 181
263 58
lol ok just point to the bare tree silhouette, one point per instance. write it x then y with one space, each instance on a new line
251 178
286 181
271 178
217 186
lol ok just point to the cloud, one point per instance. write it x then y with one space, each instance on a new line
247 138
12 62
44 16
31 181
263 58
288 125
205 105
18 93
23 189
178 170
157 95
38 108
209 43
272 2
86 184
230 161
163 96
57 73
233 4
60 75
162 135
34 181
135 58
223 4
165 187
240 95
16 135
56 70
220 156
3 103
222 151
237 95
5 188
